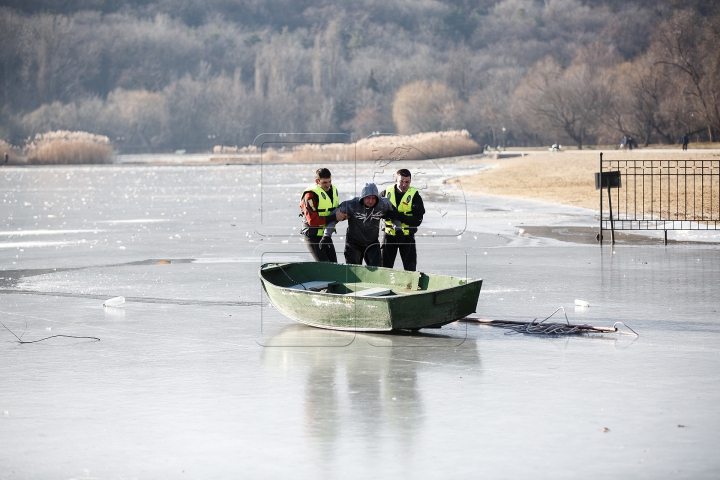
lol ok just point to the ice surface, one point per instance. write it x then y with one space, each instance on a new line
197 374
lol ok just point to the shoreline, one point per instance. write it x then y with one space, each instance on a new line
565 178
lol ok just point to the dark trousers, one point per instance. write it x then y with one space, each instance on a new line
685 146
354 254
405 244
326 254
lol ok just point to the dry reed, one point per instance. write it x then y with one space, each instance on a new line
251 149
65 147
421 146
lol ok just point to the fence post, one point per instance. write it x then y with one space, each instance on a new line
600 236
612 224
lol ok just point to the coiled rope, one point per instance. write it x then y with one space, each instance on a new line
543 328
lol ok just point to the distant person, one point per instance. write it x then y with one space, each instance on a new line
317 204
630 141
407 201
7 158
684 140
623 143
364 214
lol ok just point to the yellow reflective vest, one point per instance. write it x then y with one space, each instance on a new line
404 207
325 206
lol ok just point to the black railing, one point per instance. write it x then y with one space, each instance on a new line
660 195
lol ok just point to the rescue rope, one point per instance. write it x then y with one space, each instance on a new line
21 341
288 276
542 328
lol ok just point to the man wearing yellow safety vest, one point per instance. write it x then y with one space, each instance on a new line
407 200
317 203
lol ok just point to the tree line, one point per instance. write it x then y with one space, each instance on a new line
167 74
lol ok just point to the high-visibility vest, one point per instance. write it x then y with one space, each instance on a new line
404 207
325 206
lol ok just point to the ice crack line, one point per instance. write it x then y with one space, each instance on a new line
171 301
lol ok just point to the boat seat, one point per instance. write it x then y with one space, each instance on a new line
370 292
314 285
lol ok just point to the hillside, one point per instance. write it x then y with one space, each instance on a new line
170 74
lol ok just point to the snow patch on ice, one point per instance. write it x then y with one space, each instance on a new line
38 244
135 220
227 260
13 233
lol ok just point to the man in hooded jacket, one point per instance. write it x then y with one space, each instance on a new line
364 214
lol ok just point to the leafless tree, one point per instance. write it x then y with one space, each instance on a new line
644 102
568 102
689 45
424 107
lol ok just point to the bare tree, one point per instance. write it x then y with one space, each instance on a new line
11 56
644 102
569 102
140 118
424 107
64 57
689 45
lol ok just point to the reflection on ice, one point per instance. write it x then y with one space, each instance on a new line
22 233
356 391
135 220
114 313
38 244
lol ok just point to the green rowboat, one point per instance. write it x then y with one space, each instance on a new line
361 298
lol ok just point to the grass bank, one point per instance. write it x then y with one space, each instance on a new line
568 178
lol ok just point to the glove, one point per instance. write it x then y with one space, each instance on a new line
325 242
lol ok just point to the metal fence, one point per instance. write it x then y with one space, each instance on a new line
660 195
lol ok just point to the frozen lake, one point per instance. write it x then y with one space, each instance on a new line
197 376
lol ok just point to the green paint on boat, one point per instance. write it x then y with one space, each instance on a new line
362 298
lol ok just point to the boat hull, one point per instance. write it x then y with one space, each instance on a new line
414 300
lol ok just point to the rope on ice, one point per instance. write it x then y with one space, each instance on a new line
542 328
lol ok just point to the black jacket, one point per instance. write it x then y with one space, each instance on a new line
364 223
417 210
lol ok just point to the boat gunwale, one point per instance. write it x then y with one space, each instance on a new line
383 297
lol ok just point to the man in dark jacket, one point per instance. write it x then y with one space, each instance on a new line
406 200
364 214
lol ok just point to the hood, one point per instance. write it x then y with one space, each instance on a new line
368 190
